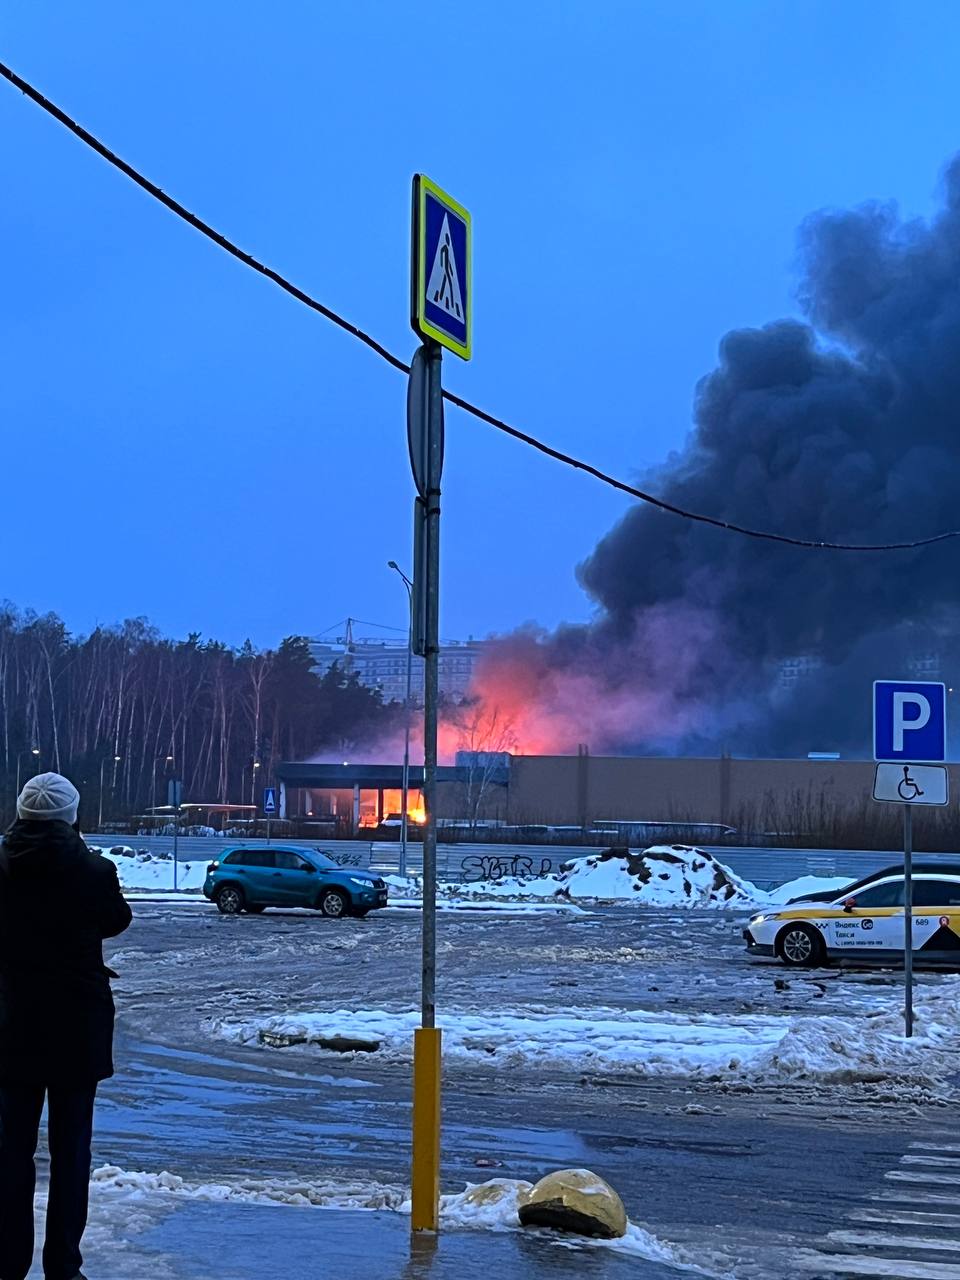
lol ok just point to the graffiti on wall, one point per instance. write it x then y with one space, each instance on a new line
495 866
349 858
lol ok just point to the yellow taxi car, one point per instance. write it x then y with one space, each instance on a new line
866 924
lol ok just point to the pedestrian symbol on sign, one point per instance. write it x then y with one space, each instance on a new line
444 284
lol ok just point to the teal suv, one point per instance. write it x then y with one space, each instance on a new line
251 879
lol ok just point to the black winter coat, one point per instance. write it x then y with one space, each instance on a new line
58 901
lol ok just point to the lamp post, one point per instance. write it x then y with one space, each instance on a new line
253 782
103 762
405 788
168 761
35 752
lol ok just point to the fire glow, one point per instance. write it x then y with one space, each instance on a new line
539 694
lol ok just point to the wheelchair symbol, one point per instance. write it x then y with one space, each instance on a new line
908 789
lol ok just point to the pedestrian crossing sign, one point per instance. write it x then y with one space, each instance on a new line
441 283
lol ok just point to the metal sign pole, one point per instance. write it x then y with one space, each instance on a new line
425 1183
431 688
176 850
908 919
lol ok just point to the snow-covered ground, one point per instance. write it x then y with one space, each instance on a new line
746 1047
661 876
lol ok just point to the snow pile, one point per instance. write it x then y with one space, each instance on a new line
743 1047
661 876
493 1205
110 1178
148 871
664 875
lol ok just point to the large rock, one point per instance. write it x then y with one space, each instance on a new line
575 1200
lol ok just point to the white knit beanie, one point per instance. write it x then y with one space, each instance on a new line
47 797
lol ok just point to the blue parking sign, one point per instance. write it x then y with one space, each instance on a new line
909 720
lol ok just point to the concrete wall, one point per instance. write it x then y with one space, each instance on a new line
584 789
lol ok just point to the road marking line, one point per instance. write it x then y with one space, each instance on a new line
907 1217
935 1146
921 1197
852 1264
934 1179
884 1240
942 1162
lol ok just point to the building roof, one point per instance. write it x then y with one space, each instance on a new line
300 774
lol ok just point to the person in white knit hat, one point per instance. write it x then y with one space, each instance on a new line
58 901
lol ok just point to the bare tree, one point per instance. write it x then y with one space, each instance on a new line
486 735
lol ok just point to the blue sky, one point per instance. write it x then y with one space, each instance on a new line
184 441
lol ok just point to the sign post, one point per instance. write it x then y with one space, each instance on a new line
175 799
441 291
909 724
269 806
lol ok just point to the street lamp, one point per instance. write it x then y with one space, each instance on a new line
168 761
405 790
116 761
34 751
253 782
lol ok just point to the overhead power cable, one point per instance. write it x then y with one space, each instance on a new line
328 313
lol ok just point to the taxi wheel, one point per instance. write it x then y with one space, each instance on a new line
800 946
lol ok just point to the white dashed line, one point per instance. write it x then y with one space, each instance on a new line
884 1240
851 1264
932 1178
906 1196
924 1198
907 1217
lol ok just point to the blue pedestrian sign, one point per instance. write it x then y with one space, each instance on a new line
909 720
269 799
441 281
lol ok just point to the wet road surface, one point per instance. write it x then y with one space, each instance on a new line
733 1180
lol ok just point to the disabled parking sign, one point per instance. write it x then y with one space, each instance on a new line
909 720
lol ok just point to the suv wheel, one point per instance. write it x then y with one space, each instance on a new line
334 903
229 899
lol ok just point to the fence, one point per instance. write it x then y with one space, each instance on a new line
468 862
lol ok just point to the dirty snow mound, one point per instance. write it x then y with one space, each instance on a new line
661 876
664 875
109 1178
771 1048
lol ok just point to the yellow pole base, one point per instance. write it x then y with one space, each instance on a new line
425 1192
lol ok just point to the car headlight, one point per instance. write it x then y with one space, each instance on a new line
363 884
765 915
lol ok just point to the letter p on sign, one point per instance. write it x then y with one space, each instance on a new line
901 703
909 721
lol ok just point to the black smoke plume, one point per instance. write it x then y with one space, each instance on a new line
845 427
